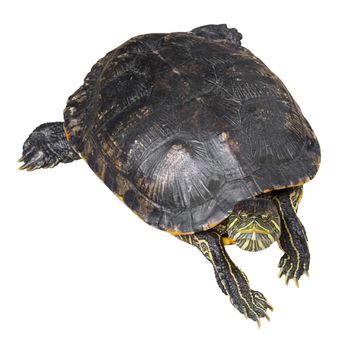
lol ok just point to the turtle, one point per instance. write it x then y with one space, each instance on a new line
199 138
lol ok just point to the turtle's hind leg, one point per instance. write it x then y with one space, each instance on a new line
47 146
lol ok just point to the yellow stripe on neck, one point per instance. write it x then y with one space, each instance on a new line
254 230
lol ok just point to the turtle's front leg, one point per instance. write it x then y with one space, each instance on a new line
296 260
47 146
230 278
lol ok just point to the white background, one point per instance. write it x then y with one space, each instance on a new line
78 270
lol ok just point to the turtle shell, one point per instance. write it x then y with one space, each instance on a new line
181 127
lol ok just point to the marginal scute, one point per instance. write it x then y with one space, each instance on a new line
182 126
130 199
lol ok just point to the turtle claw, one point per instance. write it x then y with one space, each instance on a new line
54 163
296 281
258 322
31 161
23 167
27 166
46 147
269 306
37 159
253 306
293 269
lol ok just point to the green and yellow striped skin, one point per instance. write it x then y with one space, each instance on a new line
254 225
293 241
232 281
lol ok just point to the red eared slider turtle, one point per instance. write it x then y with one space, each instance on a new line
199 138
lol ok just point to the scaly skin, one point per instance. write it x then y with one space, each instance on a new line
232 281
46 147
293 241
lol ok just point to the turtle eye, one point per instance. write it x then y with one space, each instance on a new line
265 216
243 215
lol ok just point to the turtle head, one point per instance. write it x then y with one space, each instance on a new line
254 224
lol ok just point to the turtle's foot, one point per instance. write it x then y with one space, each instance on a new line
232 281
293 267
252 304
47 146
